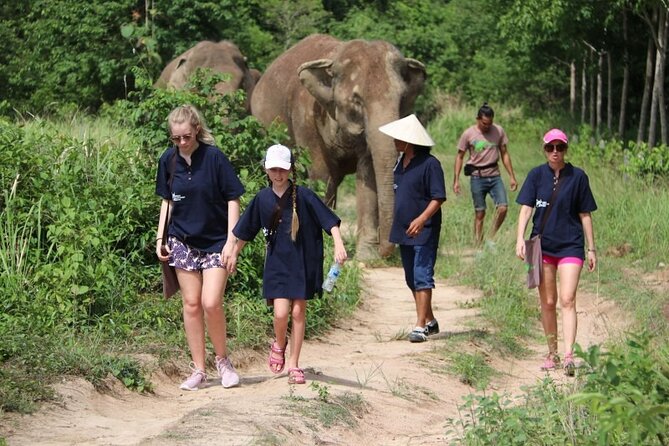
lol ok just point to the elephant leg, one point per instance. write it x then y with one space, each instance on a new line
331 192
367 246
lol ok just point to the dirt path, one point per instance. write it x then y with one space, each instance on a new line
407 400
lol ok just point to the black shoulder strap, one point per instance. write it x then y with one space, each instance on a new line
172 169
278 209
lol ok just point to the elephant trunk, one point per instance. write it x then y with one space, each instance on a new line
384 156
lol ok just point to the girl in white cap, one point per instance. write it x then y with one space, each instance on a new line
559 187
292 219
419 192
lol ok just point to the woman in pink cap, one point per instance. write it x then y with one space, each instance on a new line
561 197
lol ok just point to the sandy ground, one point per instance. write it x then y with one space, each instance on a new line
408 398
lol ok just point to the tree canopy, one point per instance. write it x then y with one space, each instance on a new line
588 58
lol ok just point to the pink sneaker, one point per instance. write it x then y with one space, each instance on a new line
551 362
197 379
228 374
569 364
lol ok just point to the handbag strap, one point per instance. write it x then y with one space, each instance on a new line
556 187
172 169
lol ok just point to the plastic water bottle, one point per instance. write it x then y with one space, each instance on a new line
331 278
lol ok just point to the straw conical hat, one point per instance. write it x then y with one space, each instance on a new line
408 129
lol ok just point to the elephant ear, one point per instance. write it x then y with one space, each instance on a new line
181 61
316 76
414 75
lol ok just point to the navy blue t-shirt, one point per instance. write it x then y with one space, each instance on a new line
421 182
200 194
292 270
563 232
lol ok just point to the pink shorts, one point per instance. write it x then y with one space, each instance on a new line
555 261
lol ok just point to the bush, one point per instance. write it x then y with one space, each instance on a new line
627 393
78 214
620 398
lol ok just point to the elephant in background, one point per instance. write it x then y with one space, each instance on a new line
333 96
221 57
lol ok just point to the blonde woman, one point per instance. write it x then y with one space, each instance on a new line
200 190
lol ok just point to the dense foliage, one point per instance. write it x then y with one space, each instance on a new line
621 400
78 216
507 51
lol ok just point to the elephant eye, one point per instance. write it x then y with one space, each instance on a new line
357 100
357 104
357 107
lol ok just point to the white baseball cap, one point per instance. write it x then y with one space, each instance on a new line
408 129
278 156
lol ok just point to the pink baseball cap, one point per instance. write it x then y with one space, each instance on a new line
555 134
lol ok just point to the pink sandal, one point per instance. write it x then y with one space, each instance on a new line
296 376
273 361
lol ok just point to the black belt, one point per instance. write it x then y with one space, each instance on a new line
470 168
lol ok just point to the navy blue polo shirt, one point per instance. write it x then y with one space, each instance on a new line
563 232
292 269
200 194
415 186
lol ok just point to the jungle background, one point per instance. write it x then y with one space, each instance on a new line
81 129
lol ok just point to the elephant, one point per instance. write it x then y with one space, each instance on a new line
221 57
333 96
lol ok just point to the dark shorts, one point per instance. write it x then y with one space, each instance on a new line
191 259
418 262
481 186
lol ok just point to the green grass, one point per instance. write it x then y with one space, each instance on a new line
327 409
471 369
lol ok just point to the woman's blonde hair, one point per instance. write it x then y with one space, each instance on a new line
190 114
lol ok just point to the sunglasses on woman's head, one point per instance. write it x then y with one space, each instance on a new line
559 147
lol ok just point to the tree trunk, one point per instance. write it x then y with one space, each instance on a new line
657 100
648 80
600 88
647 87
584 90
593 93
572 88
660 62
609 92
626 80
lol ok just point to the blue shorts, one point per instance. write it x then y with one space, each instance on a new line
191 259
488 185
418 262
